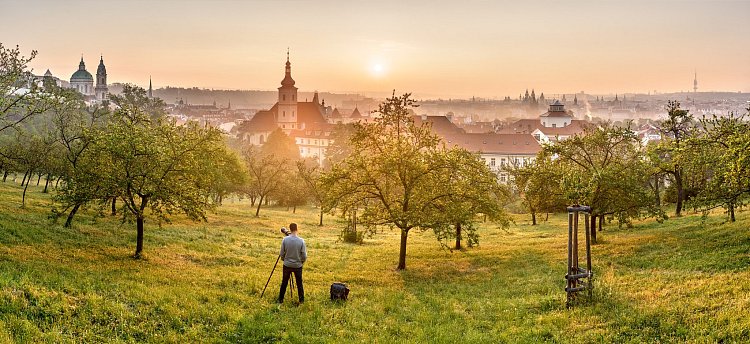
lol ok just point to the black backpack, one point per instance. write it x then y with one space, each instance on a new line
339 291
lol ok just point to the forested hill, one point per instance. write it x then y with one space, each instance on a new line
253 99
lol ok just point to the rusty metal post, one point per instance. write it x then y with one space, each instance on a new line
578 279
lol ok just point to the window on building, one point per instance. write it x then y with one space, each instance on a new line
283 97
503 162
554 125
492 162
283 113
503 178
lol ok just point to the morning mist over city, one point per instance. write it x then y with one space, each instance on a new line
374 171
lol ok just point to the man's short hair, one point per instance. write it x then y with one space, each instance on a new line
293 227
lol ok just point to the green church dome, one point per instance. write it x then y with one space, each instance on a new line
81 74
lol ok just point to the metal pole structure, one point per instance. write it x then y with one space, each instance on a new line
574 277
568 285
590 285
575 248
269 276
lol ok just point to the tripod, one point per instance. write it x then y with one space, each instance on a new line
291 281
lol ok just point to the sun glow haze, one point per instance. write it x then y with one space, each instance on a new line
460 49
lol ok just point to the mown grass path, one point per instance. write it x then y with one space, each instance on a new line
685 280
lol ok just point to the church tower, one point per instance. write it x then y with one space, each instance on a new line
286 112
101 81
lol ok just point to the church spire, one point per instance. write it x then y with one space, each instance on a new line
150 90
288 81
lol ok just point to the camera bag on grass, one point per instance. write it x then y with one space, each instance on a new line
339 291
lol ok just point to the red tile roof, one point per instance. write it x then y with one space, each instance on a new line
440 125
262 121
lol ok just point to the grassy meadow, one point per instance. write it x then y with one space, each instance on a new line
686 280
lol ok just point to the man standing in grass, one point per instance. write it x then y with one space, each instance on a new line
294 254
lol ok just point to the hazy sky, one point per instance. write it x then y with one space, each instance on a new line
431 48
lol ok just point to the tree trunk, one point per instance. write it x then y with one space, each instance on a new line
458 236
38 179
24 178
257 210
139 237
402 250
321 217
731 212
294 209
139 226
252 201
23 198
5 176
601 223
657 196
71 215
114 206
593 229
533 218
46 184
680 192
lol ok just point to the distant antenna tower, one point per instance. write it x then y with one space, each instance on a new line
695 82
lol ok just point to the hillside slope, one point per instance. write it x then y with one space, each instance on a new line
685 280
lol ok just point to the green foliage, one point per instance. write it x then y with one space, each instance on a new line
399 174
154 167
722 153
603 168
669 156
271 171
532 183
20 97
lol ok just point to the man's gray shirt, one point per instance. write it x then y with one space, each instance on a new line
293 251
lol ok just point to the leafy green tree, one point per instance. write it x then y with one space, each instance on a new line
471 188
310 173
153 166
339 147
399 174
269 166
532 183
20 96
678 126
605 169
722 152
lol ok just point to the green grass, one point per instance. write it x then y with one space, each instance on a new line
685 280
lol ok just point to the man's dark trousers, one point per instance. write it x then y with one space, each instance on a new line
297 279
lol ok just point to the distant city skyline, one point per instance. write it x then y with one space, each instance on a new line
463 49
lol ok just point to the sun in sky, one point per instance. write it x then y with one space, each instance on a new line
377 69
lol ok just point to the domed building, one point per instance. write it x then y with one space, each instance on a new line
82 80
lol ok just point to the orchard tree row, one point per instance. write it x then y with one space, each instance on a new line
703 163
